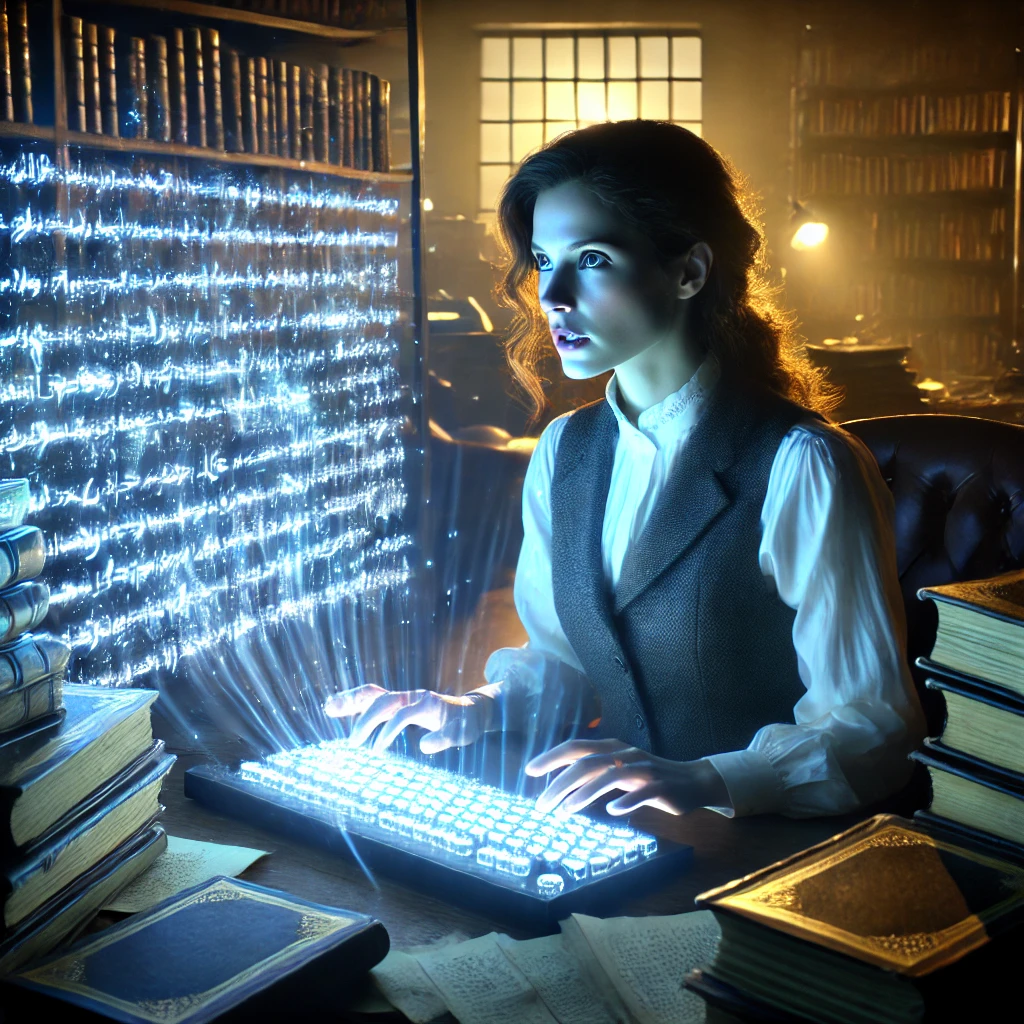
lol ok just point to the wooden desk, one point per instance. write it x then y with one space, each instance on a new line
723 849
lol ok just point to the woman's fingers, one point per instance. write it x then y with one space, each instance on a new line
352 702
612 778
578 774
456 732
386 705
425 712
570 752
651 794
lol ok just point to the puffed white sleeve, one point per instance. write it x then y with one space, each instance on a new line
546 668
827 542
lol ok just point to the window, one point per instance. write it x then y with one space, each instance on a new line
535 87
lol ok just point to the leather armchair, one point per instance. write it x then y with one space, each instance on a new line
958 486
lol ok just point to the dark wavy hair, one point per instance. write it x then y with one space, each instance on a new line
675 189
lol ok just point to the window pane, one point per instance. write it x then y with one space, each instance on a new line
559 58
527 58
555 128
693 126
591 57
561 101
686 101
492 177
653 57
654 100
494 101
494 143
621 101
622 57
591 100
526 137
494 58
527 101
686 57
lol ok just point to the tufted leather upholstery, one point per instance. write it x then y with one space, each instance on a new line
958 486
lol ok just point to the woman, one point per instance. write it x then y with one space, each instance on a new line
704 553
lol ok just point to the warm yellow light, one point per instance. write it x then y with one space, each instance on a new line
809 236
485 320
428 205
442 316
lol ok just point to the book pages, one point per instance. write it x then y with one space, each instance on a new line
408 988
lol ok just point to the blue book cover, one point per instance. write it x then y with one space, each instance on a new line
224 949
43 777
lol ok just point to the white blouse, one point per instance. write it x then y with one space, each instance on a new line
827 543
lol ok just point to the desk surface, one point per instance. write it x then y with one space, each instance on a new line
723 849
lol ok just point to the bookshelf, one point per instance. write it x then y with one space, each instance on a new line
909 153
212 369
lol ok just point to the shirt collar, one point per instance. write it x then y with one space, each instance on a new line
674 416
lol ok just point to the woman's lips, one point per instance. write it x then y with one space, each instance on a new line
564 342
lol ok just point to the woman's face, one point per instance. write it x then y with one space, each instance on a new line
599 279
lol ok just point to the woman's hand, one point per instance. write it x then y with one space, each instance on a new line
597 767
453 721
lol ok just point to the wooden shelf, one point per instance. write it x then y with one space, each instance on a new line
20 130
174 149
935 88
987 197
941 140
214 13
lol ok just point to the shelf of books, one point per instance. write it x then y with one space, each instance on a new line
210 349
915 179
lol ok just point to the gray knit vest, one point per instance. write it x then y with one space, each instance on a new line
694 652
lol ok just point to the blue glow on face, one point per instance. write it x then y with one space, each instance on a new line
408 804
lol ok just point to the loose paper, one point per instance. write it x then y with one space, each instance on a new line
185 862
407 987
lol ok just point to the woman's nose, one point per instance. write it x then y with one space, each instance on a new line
556 294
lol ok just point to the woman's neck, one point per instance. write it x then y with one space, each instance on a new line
654 374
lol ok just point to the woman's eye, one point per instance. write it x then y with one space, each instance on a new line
592 260
540 261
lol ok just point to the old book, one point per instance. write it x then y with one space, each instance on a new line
308 108
22 608
974 792
284 141
322 118
214 95
337 116
42 778
108 83
881 923
179 87
272 111
358 122
139 77
159 89
196 87
14 502
22 554
6 82
262 106
250 121
72 908
241 951
76 71
90 832
22 63
295 114
348 157
368 125
30 703
31 682
981 628
234 130
382 125
93 103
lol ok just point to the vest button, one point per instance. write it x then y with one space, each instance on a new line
640 723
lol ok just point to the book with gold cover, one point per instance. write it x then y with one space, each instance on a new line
875 924
981 628
224 949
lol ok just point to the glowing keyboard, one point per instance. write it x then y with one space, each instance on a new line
437 817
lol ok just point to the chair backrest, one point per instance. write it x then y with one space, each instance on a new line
958 485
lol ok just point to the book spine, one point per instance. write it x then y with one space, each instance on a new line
323 115
358 127
367 122
236 132
337 128
284 144
6 90
140 106
273 115
252 124
92 77
383 126
214 96
24 51
108 83
160 89
308 106
349 107
179 88
197 94
295 98
262 106
76 61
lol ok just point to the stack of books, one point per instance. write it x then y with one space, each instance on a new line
977 664
884 923
80 772
187 89
874 377
15 63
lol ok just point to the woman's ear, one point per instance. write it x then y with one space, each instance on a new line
694 270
